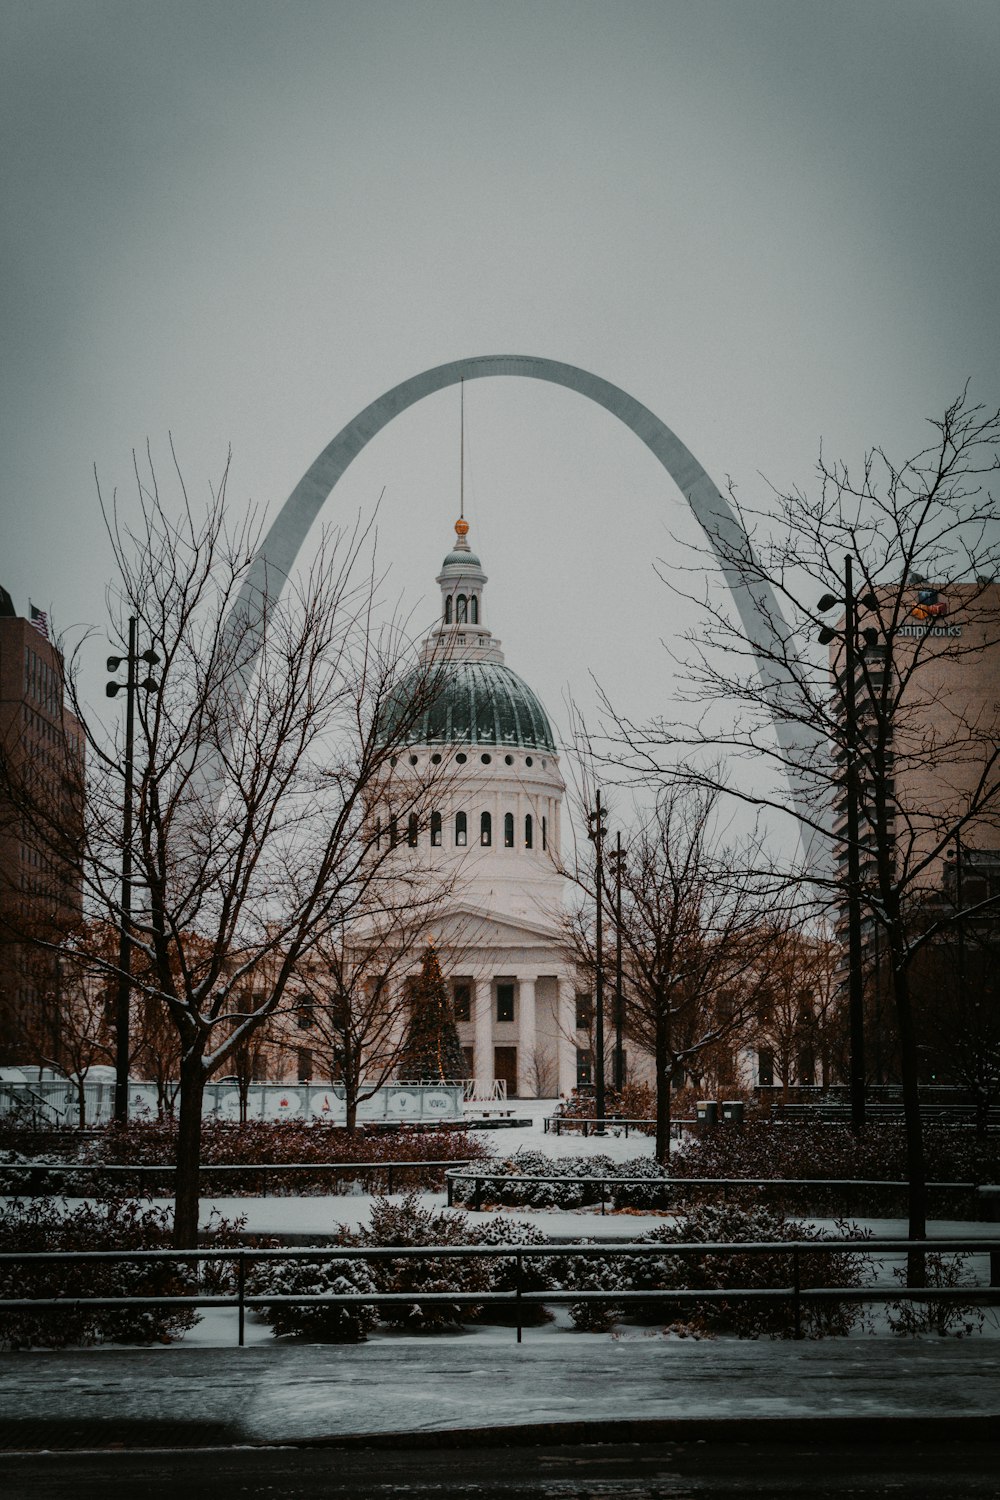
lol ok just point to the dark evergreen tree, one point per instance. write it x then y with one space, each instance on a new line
432 1051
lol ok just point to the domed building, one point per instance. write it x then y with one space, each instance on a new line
492 844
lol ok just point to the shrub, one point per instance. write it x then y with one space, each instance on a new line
40 1224
406 1223
341 1325
730 1222
943 1318
536 1274
254 1145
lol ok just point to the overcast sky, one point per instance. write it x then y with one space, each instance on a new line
774 222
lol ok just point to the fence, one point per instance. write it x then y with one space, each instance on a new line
585 1124
982 1294
37 1176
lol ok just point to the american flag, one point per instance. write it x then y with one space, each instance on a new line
40 619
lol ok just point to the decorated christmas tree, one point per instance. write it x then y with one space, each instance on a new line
431 1051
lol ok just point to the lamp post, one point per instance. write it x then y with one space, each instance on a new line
596 832
619 1070
131 686
855 978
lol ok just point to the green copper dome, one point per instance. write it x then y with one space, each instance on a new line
482 703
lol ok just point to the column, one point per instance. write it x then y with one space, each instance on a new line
527 1078
483 1044
566 1020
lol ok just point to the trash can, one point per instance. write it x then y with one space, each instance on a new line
732 1111
707 1111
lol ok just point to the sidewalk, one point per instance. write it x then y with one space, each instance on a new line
567 1386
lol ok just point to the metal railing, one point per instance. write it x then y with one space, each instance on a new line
587 1124
519 1298
604 1186
35 1173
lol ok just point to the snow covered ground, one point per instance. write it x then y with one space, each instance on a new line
322 1215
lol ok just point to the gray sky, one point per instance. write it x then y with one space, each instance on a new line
772 221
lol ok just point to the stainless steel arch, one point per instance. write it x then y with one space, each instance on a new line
757 606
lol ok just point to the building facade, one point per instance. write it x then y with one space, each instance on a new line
41 771
491 845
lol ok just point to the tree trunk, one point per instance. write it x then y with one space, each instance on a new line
186 1198
916 1166
663 1072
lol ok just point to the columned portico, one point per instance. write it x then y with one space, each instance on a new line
566 1045
483 1055
526 1039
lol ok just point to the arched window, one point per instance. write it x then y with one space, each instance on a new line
461 609
474 609
412 830
485 829
461 830
529 831
508 830
378 831
447 610
435 830
545 833
393 832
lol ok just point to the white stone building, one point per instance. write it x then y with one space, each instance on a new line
494 839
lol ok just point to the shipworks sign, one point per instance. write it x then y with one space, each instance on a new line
930 611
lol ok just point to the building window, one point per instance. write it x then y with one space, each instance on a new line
584 1012
584 1067
447 610
393 832
545 833
307 1012
461 830
508 830
505 1002
412 830
461 609
305 1064
765 1068
463 1002
469 1056
436 830
474 609
529 831
485 829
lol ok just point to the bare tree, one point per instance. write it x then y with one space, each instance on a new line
240 872
912 741
694 937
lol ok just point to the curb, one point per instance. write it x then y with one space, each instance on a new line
844 1432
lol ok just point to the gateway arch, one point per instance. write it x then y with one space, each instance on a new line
757 606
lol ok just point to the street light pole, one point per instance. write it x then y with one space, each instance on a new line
124 932
855 977
619 997
596 832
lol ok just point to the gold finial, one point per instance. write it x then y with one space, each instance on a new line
462 527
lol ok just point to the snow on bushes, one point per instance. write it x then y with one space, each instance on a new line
727 1222
44 1224
407 1223
337 1278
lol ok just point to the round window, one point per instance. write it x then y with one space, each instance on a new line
508 760
528 761
461 757
486 759
413 760
435 759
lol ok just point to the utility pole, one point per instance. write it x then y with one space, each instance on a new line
597 831
131 686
